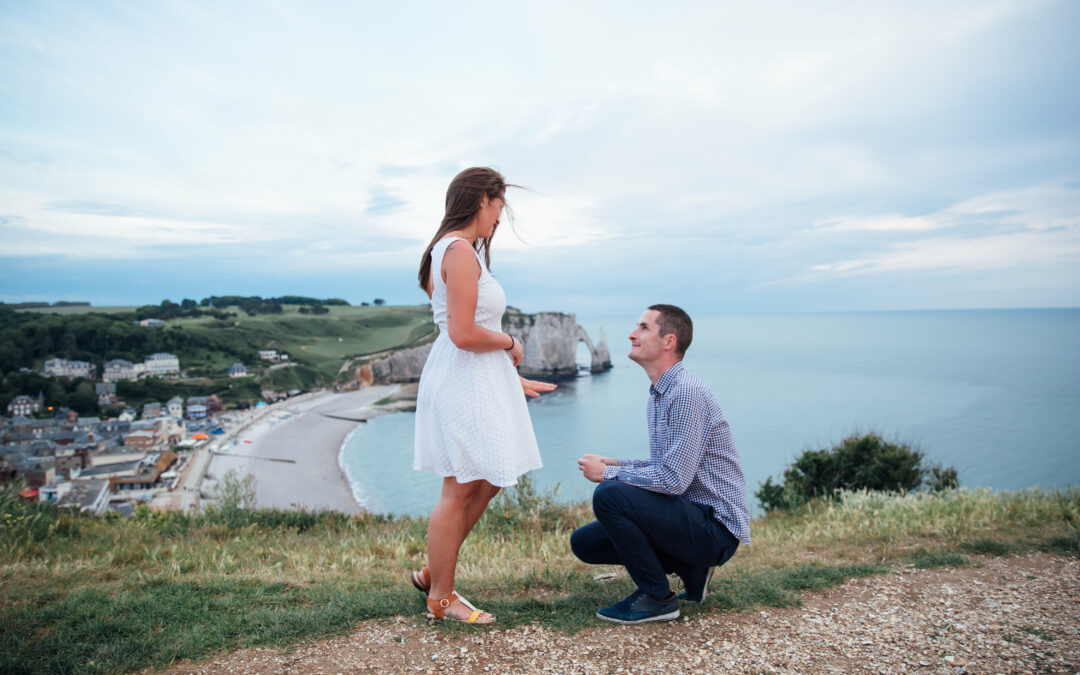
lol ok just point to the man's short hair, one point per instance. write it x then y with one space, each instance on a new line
673 320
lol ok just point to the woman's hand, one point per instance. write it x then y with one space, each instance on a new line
533 388
516 353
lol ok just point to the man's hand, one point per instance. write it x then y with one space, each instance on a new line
534 388
592 466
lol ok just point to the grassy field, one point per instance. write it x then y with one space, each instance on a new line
324 342
111 595
319 344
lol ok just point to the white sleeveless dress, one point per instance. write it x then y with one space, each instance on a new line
471 418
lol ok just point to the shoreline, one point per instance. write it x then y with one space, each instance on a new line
293 450
353 485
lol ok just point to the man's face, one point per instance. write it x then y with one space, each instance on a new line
645 339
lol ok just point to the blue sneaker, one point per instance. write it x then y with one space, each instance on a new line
640 607
696 583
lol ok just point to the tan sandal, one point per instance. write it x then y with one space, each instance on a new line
421 580
438 610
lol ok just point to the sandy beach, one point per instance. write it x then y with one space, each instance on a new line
292 450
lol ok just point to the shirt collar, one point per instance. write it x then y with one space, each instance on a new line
666 380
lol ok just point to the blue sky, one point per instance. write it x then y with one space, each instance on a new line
722 156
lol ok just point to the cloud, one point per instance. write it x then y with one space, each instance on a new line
979 254
1035 226
786 142
91 207
382 202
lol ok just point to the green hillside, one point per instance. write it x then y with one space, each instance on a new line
318 345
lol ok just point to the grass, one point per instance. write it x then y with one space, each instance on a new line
323 343
115 595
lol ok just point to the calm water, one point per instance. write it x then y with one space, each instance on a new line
995 394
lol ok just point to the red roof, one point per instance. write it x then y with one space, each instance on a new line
29 493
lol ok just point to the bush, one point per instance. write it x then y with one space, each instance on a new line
859 462
234 495
522 508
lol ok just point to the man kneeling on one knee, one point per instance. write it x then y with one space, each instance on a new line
681 511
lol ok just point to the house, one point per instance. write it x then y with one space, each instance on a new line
128 415
140 440
237 370
106 393
87 495
119 369
65 368
113 464
170 430
152 323
70 461
162 364
23 406
195 410
148 476
151 410
175 406
268 355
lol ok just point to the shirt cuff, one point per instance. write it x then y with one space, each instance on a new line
611 472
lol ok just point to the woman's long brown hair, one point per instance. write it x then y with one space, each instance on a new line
463 199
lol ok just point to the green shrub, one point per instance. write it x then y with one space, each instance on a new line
859 462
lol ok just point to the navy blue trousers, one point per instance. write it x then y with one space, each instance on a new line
652 535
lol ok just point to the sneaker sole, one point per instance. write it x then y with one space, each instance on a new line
671 616
704 590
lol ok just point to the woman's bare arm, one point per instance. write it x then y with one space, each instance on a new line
461 271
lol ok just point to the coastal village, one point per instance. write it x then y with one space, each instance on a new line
156 455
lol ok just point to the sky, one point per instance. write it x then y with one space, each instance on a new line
723 156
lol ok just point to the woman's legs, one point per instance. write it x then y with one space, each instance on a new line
454 515
478 505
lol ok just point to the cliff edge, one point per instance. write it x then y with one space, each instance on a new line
549 341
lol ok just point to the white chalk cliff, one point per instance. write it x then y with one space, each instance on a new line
549 341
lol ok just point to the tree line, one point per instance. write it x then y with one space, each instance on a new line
215 306
27 339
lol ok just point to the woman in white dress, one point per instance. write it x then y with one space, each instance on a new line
472 424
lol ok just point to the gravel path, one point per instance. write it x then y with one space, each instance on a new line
1006 615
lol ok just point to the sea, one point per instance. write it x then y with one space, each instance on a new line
992 393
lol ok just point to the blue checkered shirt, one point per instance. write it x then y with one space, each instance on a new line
691 451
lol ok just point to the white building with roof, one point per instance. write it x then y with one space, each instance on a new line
175 406
23 406
119 369
161 364
65 368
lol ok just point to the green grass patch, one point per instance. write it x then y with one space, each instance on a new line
990 546
112 594
924 559
1067 544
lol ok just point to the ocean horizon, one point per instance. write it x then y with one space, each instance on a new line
993 393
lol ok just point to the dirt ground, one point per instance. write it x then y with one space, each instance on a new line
1002 615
